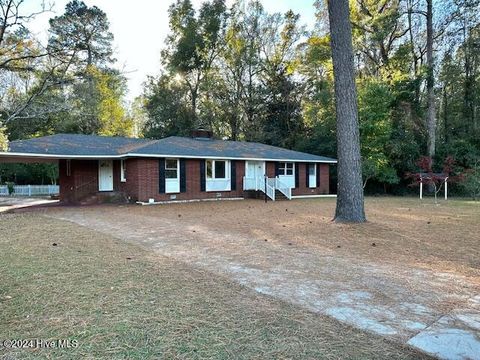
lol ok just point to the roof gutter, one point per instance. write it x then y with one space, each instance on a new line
130 155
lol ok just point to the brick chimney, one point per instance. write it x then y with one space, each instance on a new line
202 134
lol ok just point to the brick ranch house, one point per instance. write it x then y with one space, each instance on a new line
173 168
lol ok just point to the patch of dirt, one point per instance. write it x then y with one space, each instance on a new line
424 263
64 281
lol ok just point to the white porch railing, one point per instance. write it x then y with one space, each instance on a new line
267 186
283 188
254 183
270 188
30 190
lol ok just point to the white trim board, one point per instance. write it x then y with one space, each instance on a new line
129 155
187 201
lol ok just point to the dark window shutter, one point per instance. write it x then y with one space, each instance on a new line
307 172
277 169
183 176
233 174
202 175
297 178
161 176
318 175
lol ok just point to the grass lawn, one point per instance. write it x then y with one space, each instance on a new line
119 300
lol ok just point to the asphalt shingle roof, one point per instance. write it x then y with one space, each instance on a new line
92 145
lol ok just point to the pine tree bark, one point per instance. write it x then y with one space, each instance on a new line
350 206
431 121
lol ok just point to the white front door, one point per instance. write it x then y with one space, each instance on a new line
105 175
254 174
255 169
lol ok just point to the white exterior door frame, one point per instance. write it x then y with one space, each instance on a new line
105 175
255 169
172 185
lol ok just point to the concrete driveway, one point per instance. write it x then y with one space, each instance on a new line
8 203
425 304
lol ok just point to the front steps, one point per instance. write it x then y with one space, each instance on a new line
107 197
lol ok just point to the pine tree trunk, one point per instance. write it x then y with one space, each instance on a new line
431 122
350 207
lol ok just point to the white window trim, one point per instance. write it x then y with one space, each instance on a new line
176 179
284 168
314 174
211 181
123 169
227 169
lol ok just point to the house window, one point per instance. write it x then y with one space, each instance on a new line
209 169
123 171
172 176
68 167
285 168
220 169
218 175
312 175
217 169
171 169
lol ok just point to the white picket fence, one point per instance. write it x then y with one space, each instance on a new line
30 190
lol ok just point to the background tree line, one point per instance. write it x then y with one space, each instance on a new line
252 75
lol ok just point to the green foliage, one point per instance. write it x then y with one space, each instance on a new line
29 173
112 117
471 182
3 138
167 113
375 116
11 188
83 31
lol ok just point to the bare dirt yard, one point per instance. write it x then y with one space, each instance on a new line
411 275
60 280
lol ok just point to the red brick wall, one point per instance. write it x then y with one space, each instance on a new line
142 180
303 189
83 179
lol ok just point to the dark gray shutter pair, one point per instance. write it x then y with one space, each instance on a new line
277 169
161 176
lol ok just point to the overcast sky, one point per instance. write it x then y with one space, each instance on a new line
140 28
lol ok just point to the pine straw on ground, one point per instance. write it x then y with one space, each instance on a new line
440 237
120 301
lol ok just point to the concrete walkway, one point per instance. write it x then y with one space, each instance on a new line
9 203
408 304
